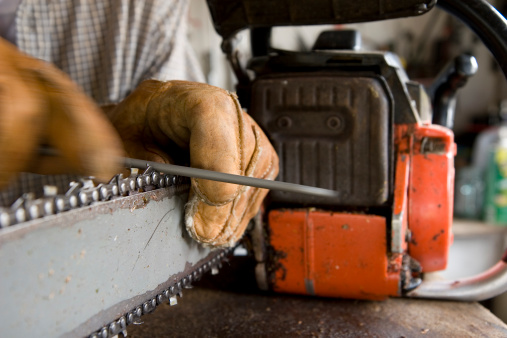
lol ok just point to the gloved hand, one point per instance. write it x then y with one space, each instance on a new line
40 105
160 118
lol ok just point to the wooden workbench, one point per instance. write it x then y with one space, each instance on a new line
229 305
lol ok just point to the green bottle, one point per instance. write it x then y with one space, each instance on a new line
495 209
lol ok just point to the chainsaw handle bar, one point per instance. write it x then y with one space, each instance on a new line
491 27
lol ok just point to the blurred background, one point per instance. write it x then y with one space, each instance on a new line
425 45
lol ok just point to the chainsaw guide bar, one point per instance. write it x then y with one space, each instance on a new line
92 261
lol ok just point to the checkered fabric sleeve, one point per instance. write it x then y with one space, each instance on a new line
109 47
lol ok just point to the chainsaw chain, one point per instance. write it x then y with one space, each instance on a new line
83 193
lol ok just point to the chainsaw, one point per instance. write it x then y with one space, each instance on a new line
362 208
352 121
94 259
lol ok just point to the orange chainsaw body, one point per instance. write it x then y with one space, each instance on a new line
354 255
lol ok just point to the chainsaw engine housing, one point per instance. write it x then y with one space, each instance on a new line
351 122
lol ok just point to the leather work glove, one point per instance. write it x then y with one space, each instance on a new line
160 118
40 105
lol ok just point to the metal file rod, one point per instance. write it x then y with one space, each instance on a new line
217 176
230 178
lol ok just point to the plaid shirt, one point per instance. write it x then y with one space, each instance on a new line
107 47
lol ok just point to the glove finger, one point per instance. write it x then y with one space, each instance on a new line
43 106
197 117
78 129
210 123
22 119
224 225
221 137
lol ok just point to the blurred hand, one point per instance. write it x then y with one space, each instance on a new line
160 118
40 105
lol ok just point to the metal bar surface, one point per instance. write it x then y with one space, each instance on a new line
73 273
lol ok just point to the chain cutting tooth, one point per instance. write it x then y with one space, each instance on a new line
34 211
89 196
155 179
149 306
114 329
161 181
127 185
41 207
161 298
170 180
49 206
103 333
140 182
130 318
108 191
20 215
131 182
179 289
143 181
117 327
134 316
64 203
187 282
123 185
123 323
214 267
5 217
123 188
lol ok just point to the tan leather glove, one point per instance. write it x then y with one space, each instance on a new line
40 105
210 123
